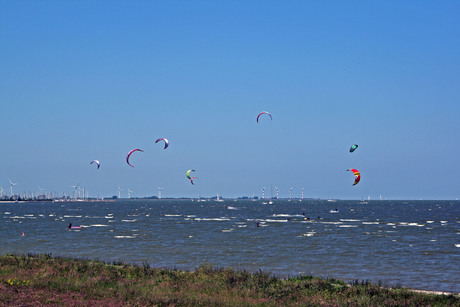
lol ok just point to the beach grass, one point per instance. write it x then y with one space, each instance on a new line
34 280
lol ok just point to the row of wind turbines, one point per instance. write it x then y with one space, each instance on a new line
12 195
160 189
2 191
278 193
82 193
79 193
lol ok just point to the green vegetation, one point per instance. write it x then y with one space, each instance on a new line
43 280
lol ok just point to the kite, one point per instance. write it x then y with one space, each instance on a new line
357 175
163 139
264 112
188 173
129 154
353 147
97 162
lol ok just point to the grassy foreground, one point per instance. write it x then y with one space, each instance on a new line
35 280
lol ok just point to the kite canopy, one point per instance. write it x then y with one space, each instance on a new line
163 139
188 173
353 147
129 155
264 112
357 175
97 162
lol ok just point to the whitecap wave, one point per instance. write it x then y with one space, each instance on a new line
411 224
212 219
275 221
308 234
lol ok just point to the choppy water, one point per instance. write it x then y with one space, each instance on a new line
413 244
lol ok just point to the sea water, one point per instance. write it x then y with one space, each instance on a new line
413 244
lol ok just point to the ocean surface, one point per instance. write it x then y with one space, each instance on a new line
412 244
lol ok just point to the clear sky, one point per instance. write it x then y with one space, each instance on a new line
85 80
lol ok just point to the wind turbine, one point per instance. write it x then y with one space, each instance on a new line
129 193
277 193
159 192
85 192
41 191
119 190
1 191
11 186
76 187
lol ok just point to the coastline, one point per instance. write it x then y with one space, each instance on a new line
45 280
435 292
57 201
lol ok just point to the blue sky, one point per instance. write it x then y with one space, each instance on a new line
87 80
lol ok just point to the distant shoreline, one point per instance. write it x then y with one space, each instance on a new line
210 199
